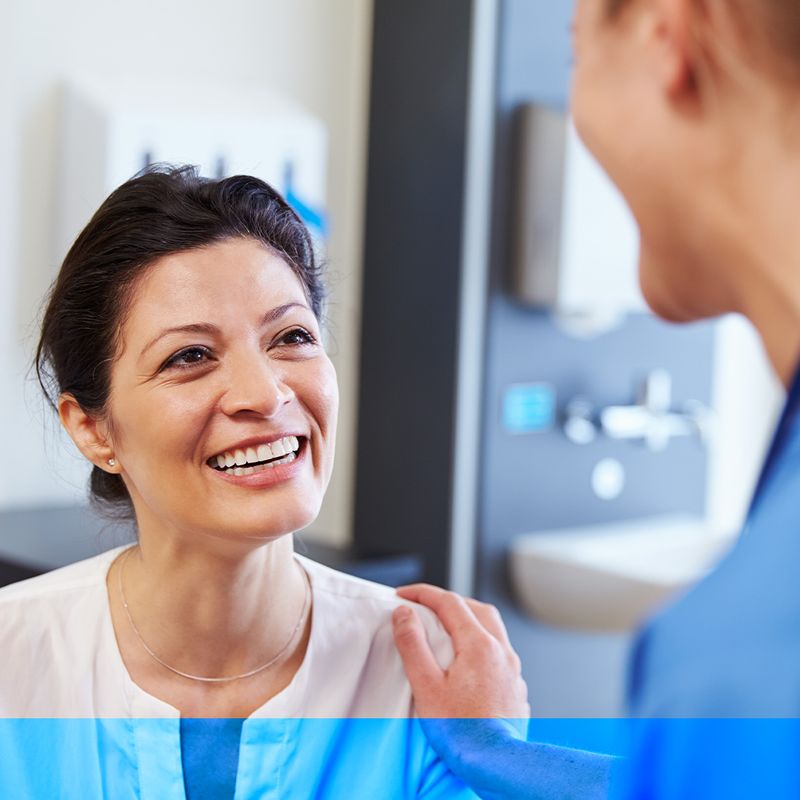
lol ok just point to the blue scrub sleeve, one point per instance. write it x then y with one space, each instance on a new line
489 756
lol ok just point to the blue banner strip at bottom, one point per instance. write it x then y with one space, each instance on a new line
392 758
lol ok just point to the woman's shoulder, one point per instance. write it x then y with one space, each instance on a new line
52 627
370 606
355 669
52 587
334 582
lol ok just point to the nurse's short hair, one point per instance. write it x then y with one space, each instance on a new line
161 211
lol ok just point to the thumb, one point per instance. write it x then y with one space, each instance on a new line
421 667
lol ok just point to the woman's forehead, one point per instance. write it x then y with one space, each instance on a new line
230 273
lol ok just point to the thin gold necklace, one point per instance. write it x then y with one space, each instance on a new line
252 672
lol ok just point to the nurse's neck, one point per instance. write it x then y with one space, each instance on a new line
755 238
767 274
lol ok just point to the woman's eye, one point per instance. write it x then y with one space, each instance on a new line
297 336
188 358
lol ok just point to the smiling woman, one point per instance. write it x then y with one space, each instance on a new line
242 370
181 347
159 215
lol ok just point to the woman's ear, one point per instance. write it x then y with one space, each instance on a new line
90 434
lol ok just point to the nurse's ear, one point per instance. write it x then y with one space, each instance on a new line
700 50
678 49
91 434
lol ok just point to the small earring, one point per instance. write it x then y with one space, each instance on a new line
112 462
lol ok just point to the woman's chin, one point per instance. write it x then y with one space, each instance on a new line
261 528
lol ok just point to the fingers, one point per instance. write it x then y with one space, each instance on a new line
451 609
458 614
482 680
421 667
490 618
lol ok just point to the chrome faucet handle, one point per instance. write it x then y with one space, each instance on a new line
649 420
656 392
579 421
703 418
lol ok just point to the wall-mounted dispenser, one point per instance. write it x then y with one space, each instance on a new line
110 132
575 249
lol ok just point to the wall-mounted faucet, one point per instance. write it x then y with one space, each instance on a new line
650 419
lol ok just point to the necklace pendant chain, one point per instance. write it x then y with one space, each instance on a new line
201 678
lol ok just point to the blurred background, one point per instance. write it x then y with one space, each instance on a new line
514 423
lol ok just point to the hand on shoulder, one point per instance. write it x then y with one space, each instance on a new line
484 679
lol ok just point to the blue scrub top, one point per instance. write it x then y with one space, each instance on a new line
726 658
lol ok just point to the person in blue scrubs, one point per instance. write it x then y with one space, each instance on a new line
692 107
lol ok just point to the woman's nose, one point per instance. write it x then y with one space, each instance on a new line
255 386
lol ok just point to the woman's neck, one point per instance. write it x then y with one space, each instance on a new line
207 612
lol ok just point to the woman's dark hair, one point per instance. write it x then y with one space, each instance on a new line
162 210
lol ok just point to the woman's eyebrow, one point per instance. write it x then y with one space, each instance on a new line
196 327
210 329
277 313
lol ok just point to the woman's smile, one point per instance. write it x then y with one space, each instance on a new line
260 463
250 454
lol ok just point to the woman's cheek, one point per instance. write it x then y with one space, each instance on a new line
327 388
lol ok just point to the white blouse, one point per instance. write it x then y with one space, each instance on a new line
59 659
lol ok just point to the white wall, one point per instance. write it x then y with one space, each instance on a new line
316 51
747 401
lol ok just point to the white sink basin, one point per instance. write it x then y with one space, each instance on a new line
608 577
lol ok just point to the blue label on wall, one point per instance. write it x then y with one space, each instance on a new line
314 218
529 408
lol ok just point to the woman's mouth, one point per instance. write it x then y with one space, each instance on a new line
258 458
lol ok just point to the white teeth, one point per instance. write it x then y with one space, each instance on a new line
287 459
276 453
